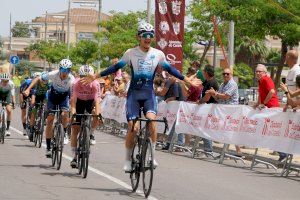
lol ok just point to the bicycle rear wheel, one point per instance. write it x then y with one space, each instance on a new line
86 152
147 167
60 145
135 164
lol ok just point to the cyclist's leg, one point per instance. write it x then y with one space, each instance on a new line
33 111
150 108
49 124
8 111
23 112
65 106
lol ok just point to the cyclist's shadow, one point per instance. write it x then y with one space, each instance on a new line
121 191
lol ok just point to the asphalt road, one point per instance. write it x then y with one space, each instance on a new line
25 173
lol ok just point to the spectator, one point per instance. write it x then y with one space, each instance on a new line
290 95
266 89
291 61
227 94
210 82
126 78
119 87
197 66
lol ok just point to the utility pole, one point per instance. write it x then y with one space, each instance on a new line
148 11
99 17
10 35
231 44
69 19
45 36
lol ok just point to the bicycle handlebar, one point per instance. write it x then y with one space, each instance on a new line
164 120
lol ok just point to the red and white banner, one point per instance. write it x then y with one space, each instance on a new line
169 29
231 124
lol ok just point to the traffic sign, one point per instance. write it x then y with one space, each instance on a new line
14 60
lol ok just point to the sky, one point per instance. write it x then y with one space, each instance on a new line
26 10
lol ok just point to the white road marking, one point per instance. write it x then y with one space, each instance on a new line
100 173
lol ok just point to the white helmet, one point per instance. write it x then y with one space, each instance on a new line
145 27
5 76
86 70
65 63
36 74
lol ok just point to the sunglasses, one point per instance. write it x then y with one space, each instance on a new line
65 70
225 74
258 71
147 35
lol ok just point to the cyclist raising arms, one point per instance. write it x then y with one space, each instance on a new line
61 82
7 94
38 96
143 61
83 97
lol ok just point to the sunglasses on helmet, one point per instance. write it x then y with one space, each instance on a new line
147 35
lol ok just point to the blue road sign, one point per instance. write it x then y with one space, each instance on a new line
14 60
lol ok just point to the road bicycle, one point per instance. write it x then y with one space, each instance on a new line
142 156
57 143
83 141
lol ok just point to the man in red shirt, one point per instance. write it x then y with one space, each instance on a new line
267 95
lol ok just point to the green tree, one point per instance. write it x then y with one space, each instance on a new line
118 35
20 29
25 66
260 18
84 52
51 51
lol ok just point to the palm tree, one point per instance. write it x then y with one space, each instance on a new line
250 51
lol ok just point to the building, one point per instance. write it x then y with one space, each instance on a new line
83 25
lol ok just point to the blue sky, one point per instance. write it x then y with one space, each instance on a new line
26 10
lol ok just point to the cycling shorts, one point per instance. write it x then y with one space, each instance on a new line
137 99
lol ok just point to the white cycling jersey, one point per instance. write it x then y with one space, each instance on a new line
56 82
10 87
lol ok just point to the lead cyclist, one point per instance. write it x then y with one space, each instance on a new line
143 61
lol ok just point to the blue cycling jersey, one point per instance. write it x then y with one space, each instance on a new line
143 67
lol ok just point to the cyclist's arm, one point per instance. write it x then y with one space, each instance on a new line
73 99
33 83
114 68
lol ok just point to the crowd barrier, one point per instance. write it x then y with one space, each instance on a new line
229 124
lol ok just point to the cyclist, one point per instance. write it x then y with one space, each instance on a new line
38 96
23 101
58 95
143 61
7 94
84 97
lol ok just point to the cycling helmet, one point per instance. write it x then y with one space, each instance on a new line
36 74
5 76
65 63
145 27
86 70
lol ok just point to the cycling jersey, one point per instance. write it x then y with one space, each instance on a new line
60 86
24 86
86 92
59 90
41 89
7 91
143 67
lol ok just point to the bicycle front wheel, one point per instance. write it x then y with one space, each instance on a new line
135 165
2 133
60 145
147 166
53 149
86 151
41 128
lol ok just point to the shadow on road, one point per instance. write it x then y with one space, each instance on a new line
38 166
24 145
64 174
121 191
